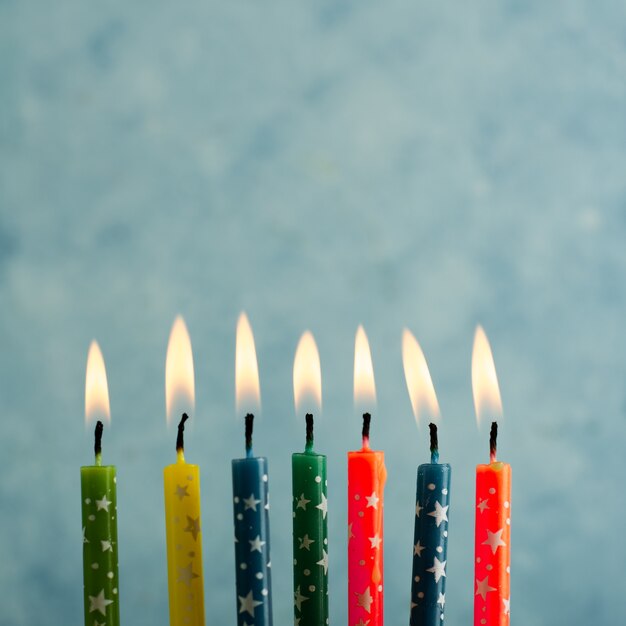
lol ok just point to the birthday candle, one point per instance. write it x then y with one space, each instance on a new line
432 500
492 562
181 483
250 498
99 508
366 482
309 498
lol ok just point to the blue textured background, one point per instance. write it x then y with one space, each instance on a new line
424 164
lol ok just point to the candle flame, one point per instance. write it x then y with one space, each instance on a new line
247 392
364 385
96 388
307 376
179 377
487 402
418 380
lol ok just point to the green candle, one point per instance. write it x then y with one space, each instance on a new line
100 556
310 534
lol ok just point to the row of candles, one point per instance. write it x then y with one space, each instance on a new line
366 482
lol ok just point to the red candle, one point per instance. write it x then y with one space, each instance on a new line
366 483
493 502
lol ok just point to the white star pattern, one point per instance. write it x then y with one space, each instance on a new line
483 588
438 569
256 544
324 561
482 505
372 500
494 540
507 605
442 599
305 542
250 503
103 505
375 541
248 604
302 502
85 540
106 546
440 513
418 548
323 506
299 599
99 603
418 508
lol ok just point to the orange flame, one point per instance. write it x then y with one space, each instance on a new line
418 380
307 375
179 377
247 392
364 385
487 402
96 388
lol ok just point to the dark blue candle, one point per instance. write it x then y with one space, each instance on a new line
252 536
430 542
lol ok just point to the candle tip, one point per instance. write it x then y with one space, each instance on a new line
493 441
367 418
249 425
180 439
97 448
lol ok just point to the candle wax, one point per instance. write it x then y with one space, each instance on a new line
366 482
430 544
310 539
252 541
100 550
492 547
184 544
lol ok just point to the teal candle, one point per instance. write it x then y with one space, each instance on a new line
100 548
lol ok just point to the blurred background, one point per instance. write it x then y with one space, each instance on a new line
394 164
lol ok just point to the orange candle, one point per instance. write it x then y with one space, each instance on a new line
492 552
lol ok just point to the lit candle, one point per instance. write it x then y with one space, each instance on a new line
366 482
182 491
250 496
99 507
432 500
309 493
493 500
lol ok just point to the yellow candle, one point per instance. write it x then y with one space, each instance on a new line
184 541
182 492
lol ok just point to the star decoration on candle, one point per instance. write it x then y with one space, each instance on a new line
418 508
85 540
440 513
507 605
99 603
181 492
418 548
302 502
375 541
250 503
362 623
248 604
364 600
186 575
193 526
103 504
350 533
438 569
323 506
106 545
483 588
482 505
305 542
299 599
494 540
441 599
256 544
372 500
324 561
